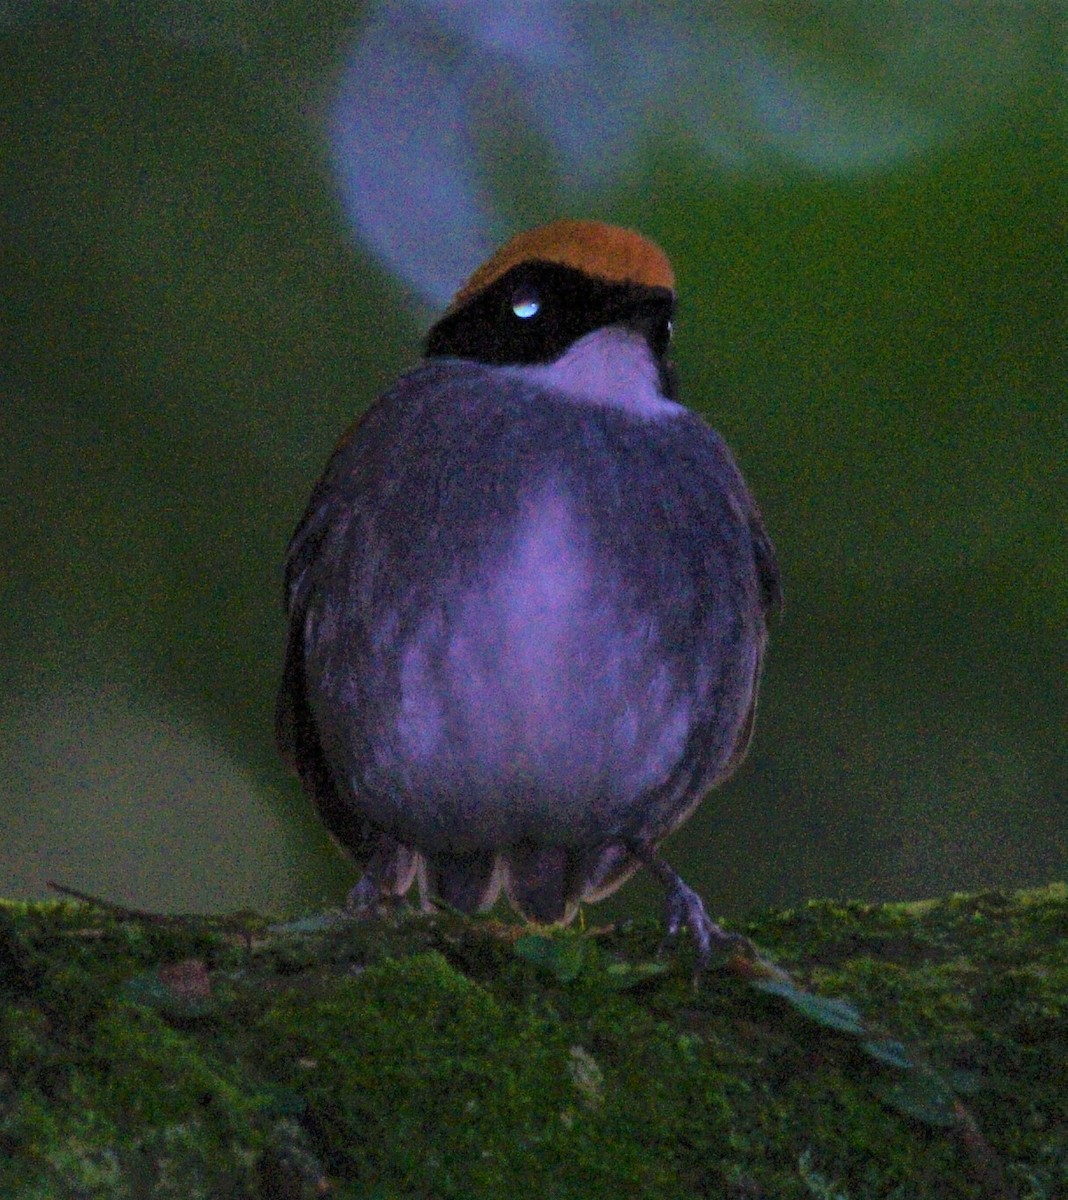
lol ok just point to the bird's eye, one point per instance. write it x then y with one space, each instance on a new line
660 337
526 303
669 330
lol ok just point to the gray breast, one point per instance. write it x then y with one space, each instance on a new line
538 703
533 621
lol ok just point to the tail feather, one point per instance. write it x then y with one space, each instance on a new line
468 882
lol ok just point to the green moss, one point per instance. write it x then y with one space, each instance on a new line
426 1057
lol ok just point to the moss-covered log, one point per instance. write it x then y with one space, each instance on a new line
436 1057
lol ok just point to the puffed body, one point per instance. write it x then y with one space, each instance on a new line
526 634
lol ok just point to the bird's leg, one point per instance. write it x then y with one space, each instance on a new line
363 899
685 907
385 879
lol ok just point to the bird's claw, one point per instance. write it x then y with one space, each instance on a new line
686 908
369 899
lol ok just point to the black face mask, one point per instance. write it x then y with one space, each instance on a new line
535 311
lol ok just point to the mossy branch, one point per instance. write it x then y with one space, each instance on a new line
417 1056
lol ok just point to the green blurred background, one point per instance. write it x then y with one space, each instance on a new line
190 320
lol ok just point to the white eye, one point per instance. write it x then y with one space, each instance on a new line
670 330
526 303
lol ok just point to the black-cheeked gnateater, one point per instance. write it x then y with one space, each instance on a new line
528 600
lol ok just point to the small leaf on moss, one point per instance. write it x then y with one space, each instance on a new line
824 1010
888 1051
754 968
561 957
776 987
316 923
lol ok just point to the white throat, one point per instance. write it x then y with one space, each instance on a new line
612 366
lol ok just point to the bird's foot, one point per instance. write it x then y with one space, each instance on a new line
369 899
386 878
684 907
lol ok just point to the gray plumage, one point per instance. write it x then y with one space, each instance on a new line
525 636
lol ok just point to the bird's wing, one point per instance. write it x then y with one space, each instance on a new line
767 564
329 505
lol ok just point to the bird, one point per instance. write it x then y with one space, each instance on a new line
528 601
